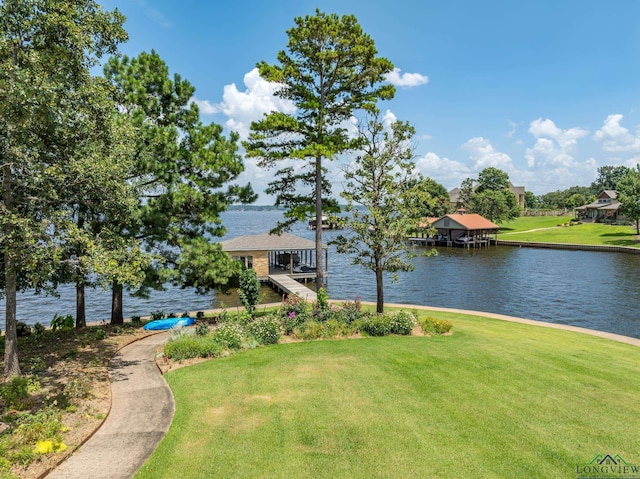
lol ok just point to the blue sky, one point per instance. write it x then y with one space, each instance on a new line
547 91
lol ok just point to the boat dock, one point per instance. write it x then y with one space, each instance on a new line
283 283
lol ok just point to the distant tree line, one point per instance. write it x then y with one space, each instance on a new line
609 178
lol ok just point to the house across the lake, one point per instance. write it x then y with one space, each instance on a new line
603 210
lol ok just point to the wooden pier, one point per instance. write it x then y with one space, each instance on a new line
284 283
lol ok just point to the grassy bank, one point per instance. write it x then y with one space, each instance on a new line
556 230
495 399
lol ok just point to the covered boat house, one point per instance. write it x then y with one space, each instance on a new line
468 230
277 254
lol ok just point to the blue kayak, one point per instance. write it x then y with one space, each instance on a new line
169 323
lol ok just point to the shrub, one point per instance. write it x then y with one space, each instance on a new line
77 389
135 319
38 330
157 315
266 330
294 304
184 314
189 346
15 393
323 300
22 329
229 335
349 313
334 329
63 323
375 325
309 330
100 333
435 326
249 290
46 424
292 321
200 315
402 322
202 329
37 364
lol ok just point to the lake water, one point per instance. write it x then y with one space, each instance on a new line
593 290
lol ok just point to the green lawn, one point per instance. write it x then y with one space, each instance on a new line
546 230
526 223
495 399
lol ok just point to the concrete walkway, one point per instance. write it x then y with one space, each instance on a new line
142 408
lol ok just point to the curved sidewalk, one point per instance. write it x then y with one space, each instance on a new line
142 408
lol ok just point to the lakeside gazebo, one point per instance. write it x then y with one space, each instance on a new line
271 254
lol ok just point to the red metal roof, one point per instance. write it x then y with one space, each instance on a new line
471 221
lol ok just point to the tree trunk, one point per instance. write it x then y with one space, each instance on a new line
11 364
319 272
116 304
81 319
379 288
637 226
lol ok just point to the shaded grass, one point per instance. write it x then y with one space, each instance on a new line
495 399
588 233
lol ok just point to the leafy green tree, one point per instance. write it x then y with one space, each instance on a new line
47 48
493 179
491 197
629 195
384 207
101 200
560 199
608 178
531 201
249 289
575 200
467 189
495 205
329 71
435 202
183 173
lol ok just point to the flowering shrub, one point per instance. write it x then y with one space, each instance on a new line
435 326
375 325
402 322
348 313
294 304
229 335
294 312
266 330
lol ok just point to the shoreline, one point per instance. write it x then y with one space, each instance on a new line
569 246
502 317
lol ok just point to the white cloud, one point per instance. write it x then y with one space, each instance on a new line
615 137
406 80
389 118
565 138
484 155
554 146
243 107
205 107
449 173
